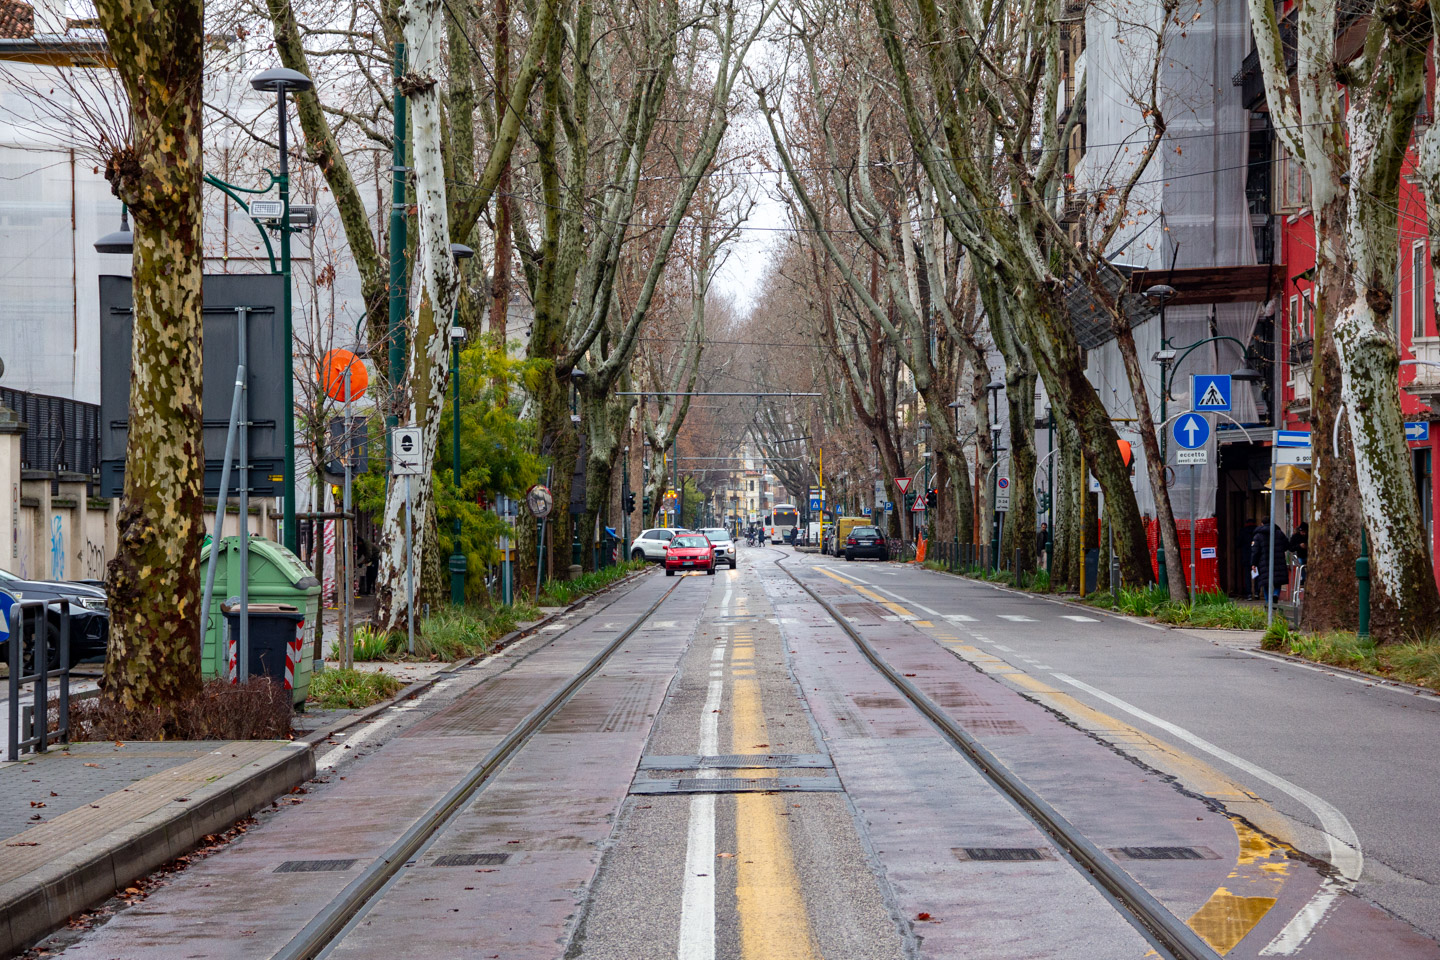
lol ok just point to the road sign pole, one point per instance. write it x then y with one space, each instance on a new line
1194 510
1267 573
409 566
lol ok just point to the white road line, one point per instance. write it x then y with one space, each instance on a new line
1345 853
959 618
1077 618
697 899
1016 618
1001 646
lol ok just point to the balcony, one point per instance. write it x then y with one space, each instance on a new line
1426 385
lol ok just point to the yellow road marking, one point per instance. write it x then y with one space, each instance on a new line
774 924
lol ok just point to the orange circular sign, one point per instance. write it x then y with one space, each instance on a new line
332 375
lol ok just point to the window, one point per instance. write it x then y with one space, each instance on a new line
1292 183
1295 335
1307 314
1419 289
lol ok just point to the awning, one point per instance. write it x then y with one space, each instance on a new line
1290 477
1225 284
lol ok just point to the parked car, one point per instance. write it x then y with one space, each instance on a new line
651 544
89 614
690 551
866 542
724 544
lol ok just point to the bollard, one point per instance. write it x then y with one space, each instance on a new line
1362 582
1161 573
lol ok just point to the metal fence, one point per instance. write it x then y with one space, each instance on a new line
61 435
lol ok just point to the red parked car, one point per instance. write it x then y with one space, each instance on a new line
690 551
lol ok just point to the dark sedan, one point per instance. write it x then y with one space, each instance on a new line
866 542
89 615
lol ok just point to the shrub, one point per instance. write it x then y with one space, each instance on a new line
352 689
1040 581
259 709
373 644
562 593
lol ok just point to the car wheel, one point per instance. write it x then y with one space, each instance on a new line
669 572
849 555
637 554
733 564
884 558
710 571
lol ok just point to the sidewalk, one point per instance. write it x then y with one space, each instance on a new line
78 824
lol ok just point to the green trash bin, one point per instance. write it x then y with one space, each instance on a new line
276 576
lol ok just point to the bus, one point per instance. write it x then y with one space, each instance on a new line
782 518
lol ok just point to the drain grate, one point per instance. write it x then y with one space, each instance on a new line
739 785
471 860
1165 853
315 866
1002 854
737 761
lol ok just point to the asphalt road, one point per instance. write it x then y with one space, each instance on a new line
737 781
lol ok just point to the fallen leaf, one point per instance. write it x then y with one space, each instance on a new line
922 916
92 764
727 856
37 803
23 843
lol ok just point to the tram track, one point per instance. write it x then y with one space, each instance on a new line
1166 932
330 925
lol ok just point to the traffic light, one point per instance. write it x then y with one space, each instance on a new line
647 505
932 498
630 502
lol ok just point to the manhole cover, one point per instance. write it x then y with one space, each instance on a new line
1002 854
739 785
314 866
1164 853
471 860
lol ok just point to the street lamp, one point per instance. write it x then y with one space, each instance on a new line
280 81
122 240
457 336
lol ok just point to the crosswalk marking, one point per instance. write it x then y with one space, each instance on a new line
1017 618
959 618
1077 618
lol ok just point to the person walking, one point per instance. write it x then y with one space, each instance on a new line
1278 572
1042 540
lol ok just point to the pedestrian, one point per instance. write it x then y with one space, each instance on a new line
1247 536
1275 573
1042 540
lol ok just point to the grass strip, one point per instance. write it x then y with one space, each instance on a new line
338 689
1416 662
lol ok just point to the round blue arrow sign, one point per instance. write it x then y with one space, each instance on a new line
1191 431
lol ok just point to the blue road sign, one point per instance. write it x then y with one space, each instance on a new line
1211 391
1292 438
865 511
816 503
890 505
1191 431
7 601
1417 432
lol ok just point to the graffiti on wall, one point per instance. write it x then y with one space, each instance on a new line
94 560
57 548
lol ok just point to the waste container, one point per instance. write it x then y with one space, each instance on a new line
276 577
277 636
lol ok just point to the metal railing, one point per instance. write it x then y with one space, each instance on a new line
42 641
61 435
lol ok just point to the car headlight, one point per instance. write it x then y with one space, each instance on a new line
92 603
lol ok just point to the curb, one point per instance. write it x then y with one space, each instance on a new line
34 905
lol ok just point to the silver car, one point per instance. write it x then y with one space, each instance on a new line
651 544
724 545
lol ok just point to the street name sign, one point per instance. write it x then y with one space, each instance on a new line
1191 431
1295 456
1211 391
1417 432
405 460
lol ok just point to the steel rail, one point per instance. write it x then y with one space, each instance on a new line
1146 914
352 902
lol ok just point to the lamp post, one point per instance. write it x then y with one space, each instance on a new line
280 81
457 336
922 433
993 390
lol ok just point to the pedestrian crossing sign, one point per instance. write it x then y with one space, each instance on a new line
1211 392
